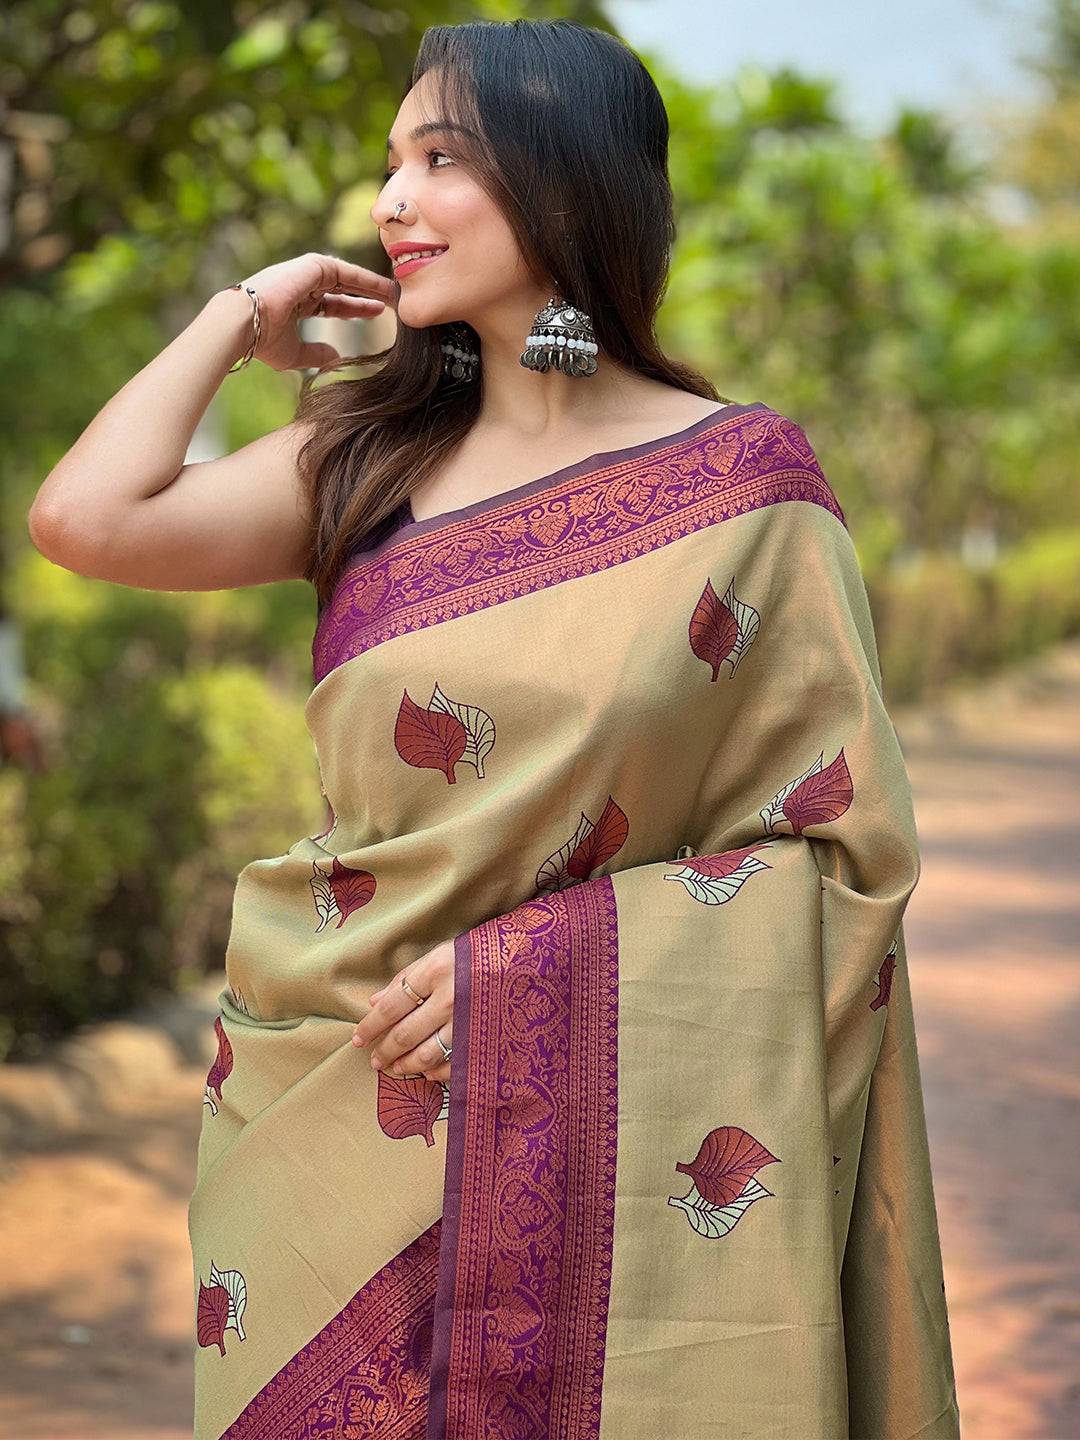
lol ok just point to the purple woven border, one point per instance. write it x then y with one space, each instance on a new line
434 570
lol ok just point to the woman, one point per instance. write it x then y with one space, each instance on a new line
619 839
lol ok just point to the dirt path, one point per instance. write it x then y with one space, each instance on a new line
95 1285
992 939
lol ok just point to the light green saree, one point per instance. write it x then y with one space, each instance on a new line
619 733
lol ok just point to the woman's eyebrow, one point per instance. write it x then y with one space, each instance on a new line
446 126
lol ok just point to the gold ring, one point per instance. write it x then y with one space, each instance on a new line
418 998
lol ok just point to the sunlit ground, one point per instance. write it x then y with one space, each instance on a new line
992 938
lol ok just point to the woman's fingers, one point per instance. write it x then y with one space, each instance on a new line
414 1032
349 307
394 1006
426 1059
347 276
396 1022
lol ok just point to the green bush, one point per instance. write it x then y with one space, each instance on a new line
1037 594
938 618
172 765
929 615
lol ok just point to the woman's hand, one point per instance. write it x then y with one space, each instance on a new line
294 290
403 1031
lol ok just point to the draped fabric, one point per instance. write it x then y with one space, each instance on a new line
619 734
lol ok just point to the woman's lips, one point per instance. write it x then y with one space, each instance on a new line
411 265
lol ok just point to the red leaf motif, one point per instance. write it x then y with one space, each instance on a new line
221 1069
725 862
605 839
884 980
714 631
728 1158
352 889
211 1314
716 879
408 1106
821 797
429 739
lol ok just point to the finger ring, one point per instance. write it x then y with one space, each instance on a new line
447 1050
418 998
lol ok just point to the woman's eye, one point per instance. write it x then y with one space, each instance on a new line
430 154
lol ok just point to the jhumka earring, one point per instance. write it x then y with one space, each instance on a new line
460 359
562 335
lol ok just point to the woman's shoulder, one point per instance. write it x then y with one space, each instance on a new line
789 449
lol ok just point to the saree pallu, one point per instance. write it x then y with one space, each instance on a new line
618 733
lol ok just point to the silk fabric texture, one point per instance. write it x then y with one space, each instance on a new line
620 734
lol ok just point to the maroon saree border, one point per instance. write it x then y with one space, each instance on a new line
599 460
529 1203
578 521
367 1370
450 1225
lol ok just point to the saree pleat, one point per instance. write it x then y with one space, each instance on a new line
619 734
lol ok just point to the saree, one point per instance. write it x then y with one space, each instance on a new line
619 734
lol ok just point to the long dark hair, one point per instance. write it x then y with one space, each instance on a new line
571 142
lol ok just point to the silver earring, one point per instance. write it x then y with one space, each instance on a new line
460 360
561 336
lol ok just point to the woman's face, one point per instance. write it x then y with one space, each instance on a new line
482 268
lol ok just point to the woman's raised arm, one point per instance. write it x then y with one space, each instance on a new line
121 504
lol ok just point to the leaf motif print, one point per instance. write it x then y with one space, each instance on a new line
221 1069
726 1160
410 1105
823 796
749 622
340 892
722 629
553 872
478 725
211 1315
352 888
725 1186
236 1286
884 979
591 846
220 1306
715 1221
323 892
714 879
238 999
814 798
429 739
603 840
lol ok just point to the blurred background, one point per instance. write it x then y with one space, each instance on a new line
879 236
